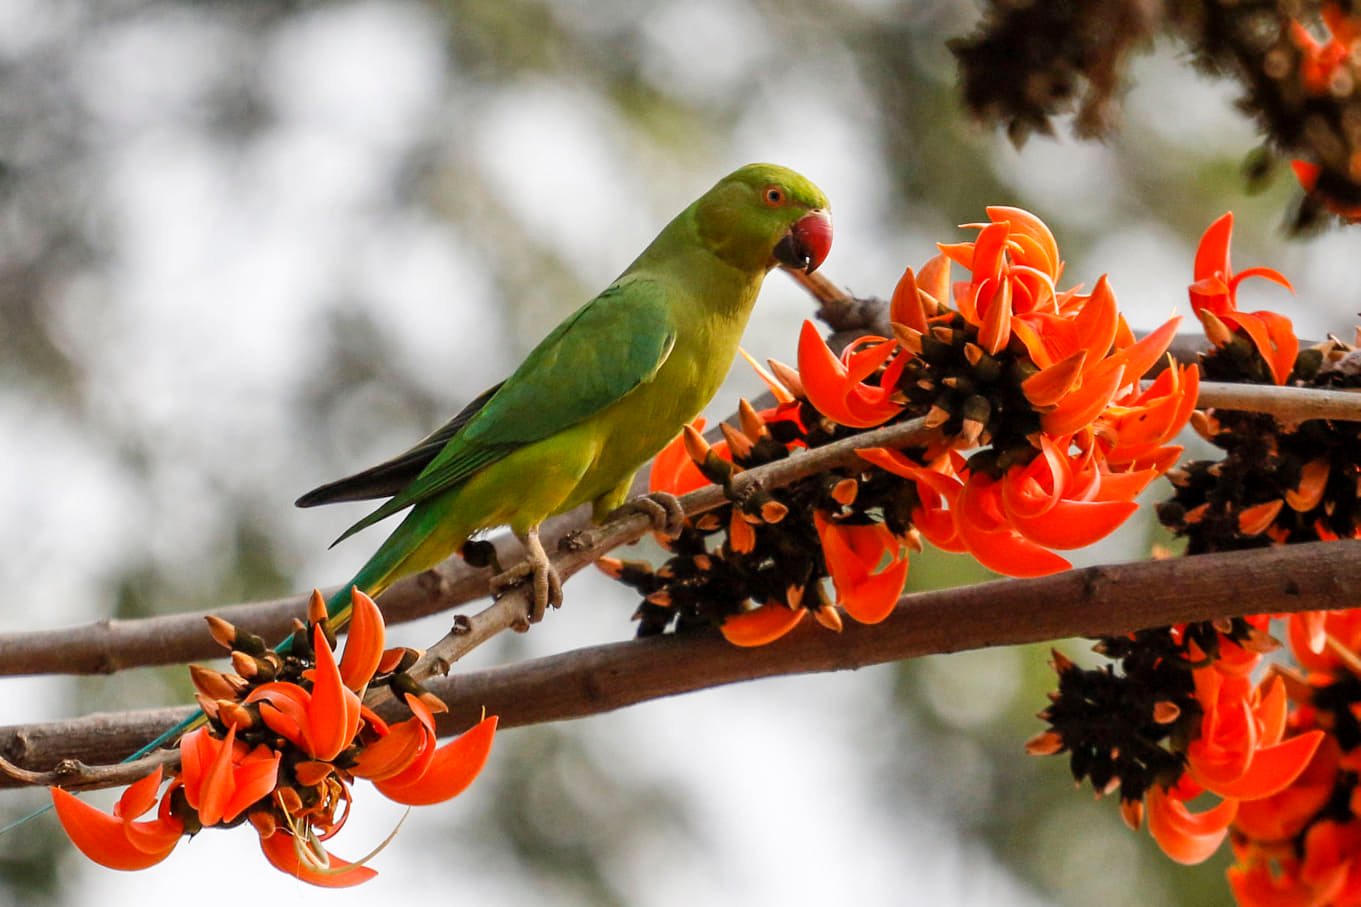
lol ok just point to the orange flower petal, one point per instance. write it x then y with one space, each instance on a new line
1050 385
118 842
391 754
364 644
1081 407
1272 769
331 711
1187 837
906 304
281 850
454 766
762 625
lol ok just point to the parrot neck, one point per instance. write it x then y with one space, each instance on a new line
720 283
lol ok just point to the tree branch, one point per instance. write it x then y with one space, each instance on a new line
1091 601
107 646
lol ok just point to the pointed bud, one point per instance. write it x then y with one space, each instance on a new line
1045 743
1111 787
245 665
432 702
695 445
741 537
1255 520
773 511
396 659
264 822
936 416
945 335
1196 514
845 491
708 522
661 598
789 377
777 389
211 683
702 562
207 704
1309 492
793 595
316 607
1223 625
1132 811
909 337
234 714
1059 662
612 567
1205 425
753 426
829 617
1217 332
1166 712
913 540
738 443
973 353
222 632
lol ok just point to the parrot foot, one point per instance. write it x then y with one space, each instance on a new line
662 507
547 585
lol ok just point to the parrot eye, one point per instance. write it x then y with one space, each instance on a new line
774 196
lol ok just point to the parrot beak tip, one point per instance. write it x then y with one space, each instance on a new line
807 243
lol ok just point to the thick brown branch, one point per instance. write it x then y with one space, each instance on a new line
1087 602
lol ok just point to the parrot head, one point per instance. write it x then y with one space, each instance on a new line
764 215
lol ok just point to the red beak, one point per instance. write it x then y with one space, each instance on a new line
807 243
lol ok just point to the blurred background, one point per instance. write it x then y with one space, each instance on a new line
248 247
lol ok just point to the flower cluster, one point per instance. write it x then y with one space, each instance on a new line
1041 437
1328 73
1181 718
1180 713
286 735
1277 483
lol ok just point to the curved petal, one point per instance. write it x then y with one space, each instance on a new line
281 849
331 709
454 766
1081 407
1187 837
762 625
393 753
1271 770
105 839
364 644
1212 255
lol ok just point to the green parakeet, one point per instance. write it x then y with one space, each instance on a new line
601 394
597 398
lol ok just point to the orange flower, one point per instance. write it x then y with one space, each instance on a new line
763 625
1240 752
1214 300
224 777
118 841
321 722
837 387
674 470
413 770
1319 63
853 554
1137 425
1058 500
937 494
1185 836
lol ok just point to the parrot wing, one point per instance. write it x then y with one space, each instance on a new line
607 348
391 476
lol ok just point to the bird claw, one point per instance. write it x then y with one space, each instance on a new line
661 507
546 584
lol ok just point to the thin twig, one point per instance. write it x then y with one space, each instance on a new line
1090 601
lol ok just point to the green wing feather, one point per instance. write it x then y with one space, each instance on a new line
611 345
391 476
